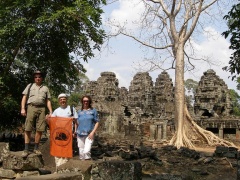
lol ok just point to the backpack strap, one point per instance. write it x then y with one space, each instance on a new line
71 108
28 92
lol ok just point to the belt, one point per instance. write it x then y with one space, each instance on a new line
36 105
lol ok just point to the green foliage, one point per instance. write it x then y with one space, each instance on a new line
238 83
74 99
235 98
52 36
191 85
10 92
233 19
55 103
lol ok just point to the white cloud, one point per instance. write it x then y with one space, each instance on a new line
126 51
215 46
127 13
121 62
90 71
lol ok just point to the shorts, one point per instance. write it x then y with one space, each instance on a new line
35 119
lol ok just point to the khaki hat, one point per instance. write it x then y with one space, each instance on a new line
62 95
37 72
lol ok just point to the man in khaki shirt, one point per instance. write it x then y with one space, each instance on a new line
38 98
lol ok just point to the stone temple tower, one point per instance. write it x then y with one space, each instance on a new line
164 95
212 96
141 93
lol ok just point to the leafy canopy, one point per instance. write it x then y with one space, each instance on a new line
52 36
235 98
233 19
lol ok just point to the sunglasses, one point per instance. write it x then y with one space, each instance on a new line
86 101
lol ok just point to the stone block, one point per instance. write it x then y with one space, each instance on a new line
30 173
77 166
64 176
230 155
44 171
7 173
4 150
112 158
131 155
117 170
14 161
233 149
222 148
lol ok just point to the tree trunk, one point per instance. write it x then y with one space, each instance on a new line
179 94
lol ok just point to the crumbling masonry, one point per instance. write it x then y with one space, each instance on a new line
146 110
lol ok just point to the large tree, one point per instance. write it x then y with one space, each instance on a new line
166 26
233 32
52 36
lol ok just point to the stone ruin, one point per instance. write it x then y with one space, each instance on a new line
146 110
164 95
213 107
141 94
130 113
105 88
212 97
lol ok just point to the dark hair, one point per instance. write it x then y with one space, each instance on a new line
90 101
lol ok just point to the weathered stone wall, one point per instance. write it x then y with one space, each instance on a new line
129 114
164 91
212 96
146 110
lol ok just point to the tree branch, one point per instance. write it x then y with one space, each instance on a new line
199 10
144 43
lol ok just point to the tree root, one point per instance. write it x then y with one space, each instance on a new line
228 162
121 149
184 137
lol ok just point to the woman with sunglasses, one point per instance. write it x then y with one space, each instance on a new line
87 124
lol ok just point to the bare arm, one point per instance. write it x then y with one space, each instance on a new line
49 106
91 135
75 127
23 103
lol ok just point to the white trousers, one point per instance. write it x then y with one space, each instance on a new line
84 145
60 160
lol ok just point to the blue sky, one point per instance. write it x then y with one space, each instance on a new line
123 53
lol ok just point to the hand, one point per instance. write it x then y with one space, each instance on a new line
74 134
91 135
23 112
47 118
